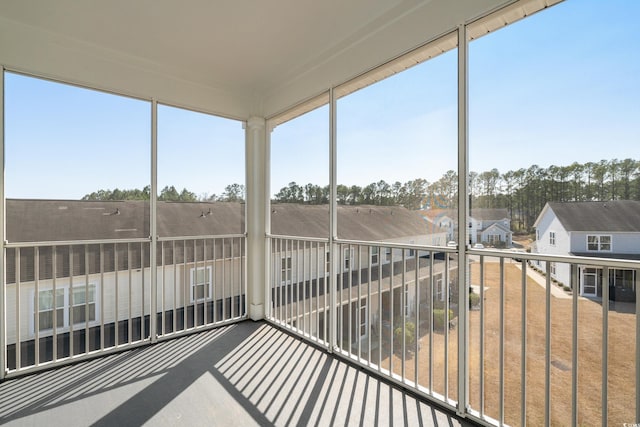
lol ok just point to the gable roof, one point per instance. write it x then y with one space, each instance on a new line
483 214
66 220
610 216
486 214
499 226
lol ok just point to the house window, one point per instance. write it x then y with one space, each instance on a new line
407 304
439 291
327 261
347 258
46 306
599 243
552 238
538 235
200 283
66 306
363 318
411 253
375 255
285 270
552 268
387 254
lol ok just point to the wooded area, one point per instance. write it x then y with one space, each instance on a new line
523 192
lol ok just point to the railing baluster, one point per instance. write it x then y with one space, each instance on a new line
605 345
18 280
523 354
501 354
482 312
547 352
36 303
101 249
574 345
69 301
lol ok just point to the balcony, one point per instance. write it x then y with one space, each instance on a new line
334 302
342 320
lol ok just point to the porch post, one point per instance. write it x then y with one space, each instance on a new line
3 322
463 211
256 177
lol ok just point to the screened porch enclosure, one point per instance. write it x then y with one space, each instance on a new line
295 213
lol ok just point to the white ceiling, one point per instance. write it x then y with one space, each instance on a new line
232 57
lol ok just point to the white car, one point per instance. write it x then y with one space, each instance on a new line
452 244
478 246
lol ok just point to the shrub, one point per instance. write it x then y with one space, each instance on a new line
409 335
474 300
439 320
566 288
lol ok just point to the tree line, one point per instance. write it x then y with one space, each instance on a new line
232 193
522 192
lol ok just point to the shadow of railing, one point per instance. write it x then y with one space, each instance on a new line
259 372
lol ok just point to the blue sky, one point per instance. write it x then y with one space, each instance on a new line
558 87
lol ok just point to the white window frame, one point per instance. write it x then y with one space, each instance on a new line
552 268
375 255
407 303
388 254
193 284
552 238
327 262
67 291
348 255
363 325
598 242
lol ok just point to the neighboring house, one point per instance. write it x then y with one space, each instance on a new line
199 277
489 226
369 266
593 229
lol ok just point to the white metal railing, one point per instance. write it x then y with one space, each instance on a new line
535 342
67 301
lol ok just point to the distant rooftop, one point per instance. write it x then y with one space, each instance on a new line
63 220
610 216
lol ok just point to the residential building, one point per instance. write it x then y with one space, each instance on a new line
608 229
488 226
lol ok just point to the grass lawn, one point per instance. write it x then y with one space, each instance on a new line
621 369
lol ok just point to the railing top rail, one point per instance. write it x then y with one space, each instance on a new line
300 238
396 245
569 259
73 242
113 241
202 237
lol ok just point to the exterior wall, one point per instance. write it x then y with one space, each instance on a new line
621 243
546 225
132 290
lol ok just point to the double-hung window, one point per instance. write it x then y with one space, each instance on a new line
200 284
552 238
285 270
375 254
66 305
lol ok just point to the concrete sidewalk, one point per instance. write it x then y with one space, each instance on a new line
538 278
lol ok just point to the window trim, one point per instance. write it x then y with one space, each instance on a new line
552 238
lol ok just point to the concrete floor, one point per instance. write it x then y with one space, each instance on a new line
240 375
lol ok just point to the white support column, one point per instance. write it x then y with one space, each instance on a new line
3 313
463 210
256 172
333 220
153 210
